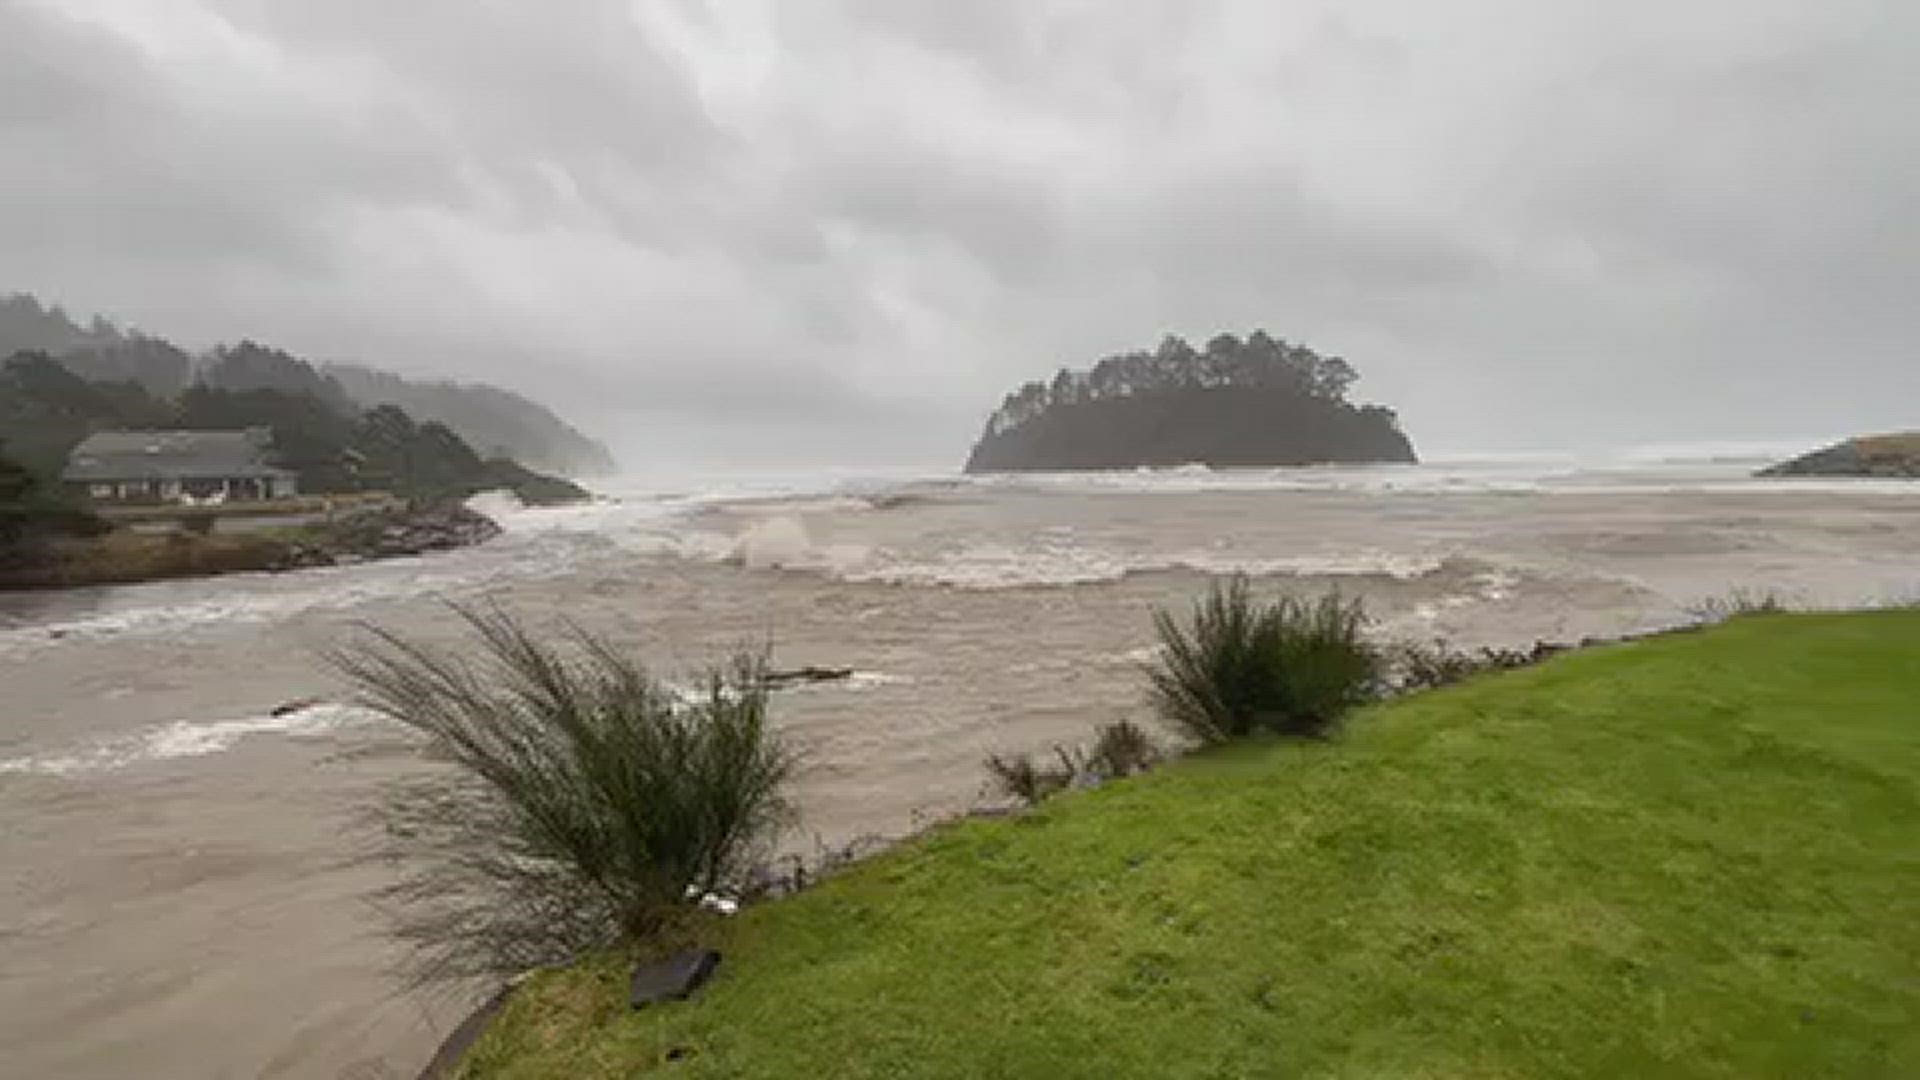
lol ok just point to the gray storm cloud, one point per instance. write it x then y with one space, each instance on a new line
839 231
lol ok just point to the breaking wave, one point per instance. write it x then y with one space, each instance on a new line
1050 558
996 566
187 738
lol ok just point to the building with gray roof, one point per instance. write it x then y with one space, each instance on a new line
178 466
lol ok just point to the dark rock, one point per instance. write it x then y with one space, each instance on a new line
446 1060
672 979
393 533
1543 650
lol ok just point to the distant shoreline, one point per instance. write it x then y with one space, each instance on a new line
128 556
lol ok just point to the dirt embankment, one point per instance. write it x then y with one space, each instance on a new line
126 555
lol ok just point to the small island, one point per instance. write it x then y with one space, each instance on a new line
1885 456
1251 402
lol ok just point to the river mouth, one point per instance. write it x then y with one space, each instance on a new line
187 875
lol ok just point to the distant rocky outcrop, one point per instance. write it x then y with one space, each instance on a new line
1886 456
531 488
1252 402
413 531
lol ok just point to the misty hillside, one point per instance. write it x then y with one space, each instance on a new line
1252 402
328 441
496 422
27 326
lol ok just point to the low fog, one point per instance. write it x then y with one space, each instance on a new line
837 232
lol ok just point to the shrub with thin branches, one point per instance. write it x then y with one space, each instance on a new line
1030 781
1736 604
586 797
1121 748
1238 666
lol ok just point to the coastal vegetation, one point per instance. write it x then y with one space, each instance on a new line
496 422
1692 854
392 484
70 546
1241 667
1894 456
1238 402
33 512
586 801
316 432
1119 749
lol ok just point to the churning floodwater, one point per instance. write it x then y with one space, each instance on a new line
183 874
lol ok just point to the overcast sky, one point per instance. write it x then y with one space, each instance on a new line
791 231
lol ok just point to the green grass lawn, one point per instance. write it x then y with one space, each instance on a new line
1694 856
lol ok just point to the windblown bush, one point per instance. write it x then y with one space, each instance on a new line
1238 667
586 799
1737 604
1023 778
1119 749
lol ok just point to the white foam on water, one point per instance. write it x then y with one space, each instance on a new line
1054 561
537 543
1706 469
187 738
765 525
858 682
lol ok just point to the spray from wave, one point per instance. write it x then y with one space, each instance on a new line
188 738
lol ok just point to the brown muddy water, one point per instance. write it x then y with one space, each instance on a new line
183 877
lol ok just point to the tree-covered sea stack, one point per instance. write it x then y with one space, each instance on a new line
1257 401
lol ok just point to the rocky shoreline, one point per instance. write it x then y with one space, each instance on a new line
128 557
409 532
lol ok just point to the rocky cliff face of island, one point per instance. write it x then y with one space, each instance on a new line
1887 456
1252 402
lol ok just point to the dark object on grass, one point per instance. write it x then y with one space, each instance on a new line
672 979
447 1058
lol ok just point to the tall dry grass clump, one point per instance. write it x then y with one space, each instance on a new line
585 798
1238 666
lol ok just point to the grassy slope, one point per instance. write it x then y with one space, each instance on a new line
1695 856
1906 443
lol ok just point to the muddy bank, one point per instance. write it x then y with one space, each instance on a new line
126 556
